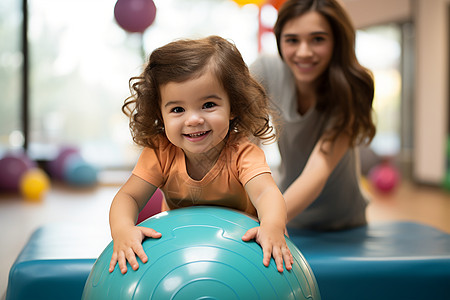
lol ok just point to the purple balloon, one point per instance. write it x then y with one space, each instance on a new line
135 15
12 168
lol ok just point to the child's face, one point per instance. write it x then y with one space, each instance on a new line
307 46
196 113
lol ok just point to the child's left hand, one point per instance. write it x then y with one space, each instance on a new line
272 241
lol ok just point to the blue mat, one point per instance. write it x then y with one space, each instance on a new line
55 262
380 261
398 260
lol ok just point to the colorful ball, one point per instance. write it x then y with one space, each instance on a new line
384 177
365 183
135 15
12 168
34 184
56 166
201 256
78 172
152 207
245 2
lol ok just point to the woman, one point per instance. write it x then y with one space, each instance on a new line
324 98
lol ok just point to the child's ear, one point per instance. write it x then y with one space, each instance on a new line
233 122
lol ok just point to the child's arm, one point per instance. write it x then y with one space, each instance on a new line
128 202
308 186
269 202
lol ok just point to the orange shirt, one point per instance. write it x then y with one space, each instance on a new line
223 185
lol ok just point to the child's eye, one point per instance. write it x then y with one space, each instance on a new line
209 105
177 110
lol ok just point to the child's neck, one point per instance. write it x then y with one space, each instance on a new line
199 164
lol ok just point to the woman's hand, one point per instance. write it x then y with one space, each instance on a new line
273 243
127 244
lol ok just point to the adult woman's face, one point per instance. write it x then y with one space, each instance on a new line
307 46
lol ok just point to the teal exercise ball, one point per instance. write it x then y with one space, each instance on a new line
201 256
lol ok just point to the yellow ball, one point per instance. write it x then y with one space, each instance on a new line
365 184
245 2
34 184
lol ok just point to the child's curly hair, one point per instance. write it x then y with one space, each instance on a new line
187 59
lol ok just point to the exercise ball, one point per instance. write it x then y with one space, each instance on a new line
384 177
34 184
201 256
135 15
78 172
56 166
12 168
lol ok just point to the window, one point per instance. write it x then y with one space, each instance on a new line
81 61
10 74
379 48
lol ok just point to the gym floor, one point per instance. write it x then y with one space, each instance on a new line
18 218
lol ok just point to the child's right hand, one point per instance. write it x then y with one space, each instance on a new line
127 244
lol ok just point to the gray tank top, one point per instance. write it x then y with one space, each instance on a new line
341 203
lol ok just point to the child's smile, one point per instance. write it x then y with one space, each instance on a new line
197 136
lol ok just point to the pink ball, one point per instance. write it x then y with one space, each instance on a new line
384 177
135 15
12 168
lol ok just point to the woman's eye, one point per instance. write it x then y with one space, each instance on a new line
177 110
209 105
318 39
291 41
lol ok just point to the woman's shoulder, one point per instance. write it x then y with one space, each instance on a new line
272 72
265 63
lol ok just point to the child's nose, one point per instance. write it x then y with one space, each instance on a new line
194 119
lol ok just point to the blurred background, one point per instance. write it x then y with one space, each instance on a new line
65 146
79 61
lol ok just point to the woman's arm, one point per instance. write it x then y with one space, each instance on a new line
271 208
308 186
126 205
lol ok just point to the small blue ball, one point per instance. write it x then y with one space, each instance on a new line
201 256
78 172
